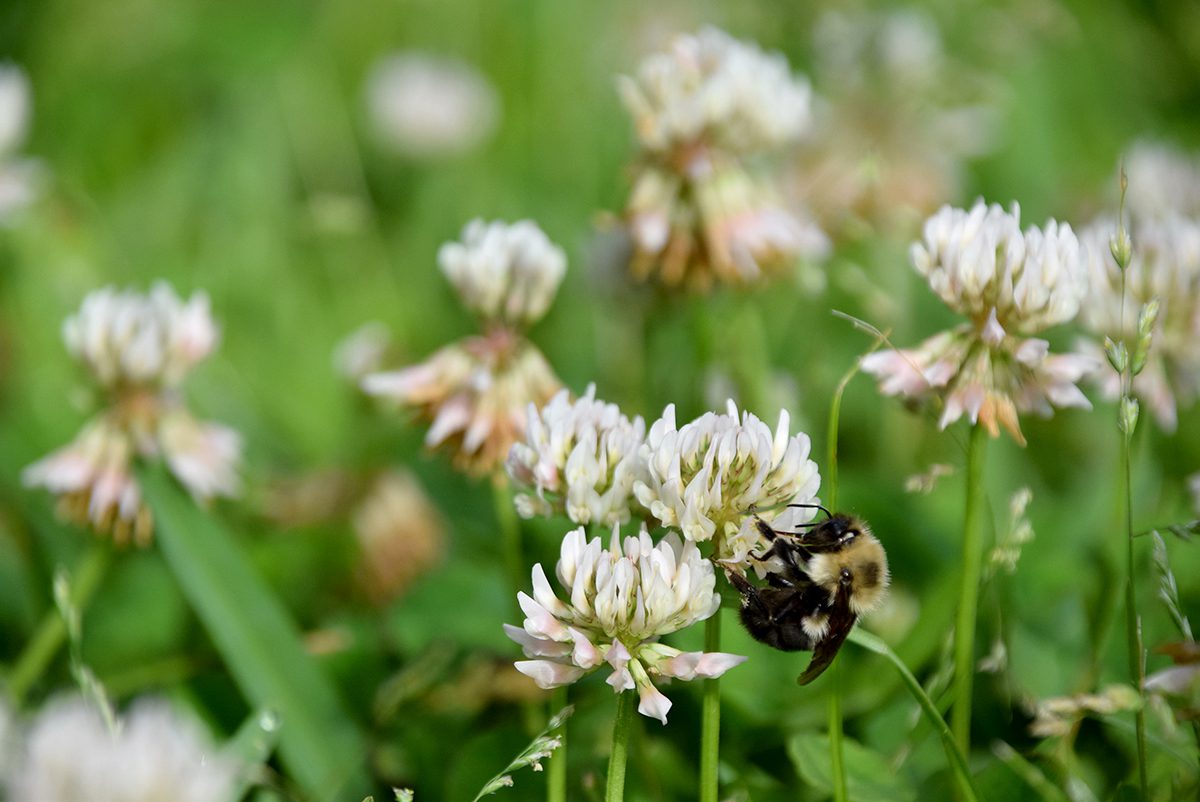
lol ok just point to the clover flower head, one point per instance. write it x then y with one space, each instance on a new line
400 533
70 755
430 107
1008 284
578 457
619 601
1165 266
138 348
127 338
707 477
475 393
711 88
982 265
505 273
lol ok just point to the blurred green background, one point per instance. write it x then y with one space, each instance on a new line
224 145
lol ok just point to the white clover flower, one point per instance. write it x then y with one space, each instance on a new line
711 88
138 348
578 457
505 273
708 477
983 267
18 177
475 393
1165 265
619 602
1163 181
131 338
401 535
69 755
430 107
1007 283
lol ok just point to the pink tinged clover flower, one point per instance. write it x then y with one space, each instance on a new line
707 477
696 214
579 458
620 601
475 391
1009 284
138 348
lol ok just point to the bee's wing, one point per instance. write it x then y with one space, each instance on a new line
841 621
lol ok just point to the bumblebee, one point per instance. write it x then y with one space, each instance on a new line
828 577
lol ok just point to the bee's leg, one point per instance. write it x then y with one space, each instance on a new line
787 551
750 597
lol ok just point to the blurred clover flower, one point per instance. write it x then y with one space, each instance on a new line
1164 267
138 347
1057 716
400 534
621 600
709 477
1007 283
154 754
475 391
578 457
696 214
507 274
430 107
895 120
1163 181
18 177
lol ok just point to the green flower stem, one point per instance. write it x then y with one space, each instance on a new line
837 764
836 761
615 789
958 761
52 631
1133 626
556 773
510 532
710 716
964 632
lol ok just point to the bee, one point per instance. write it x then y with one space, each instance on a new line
830 575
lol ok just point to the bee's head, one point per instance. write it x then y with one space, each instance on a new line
854 564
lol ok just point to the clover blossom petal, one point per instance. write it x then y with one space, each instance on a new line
474 393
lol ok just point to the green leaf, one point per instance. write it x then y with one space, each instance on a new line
253 744
869 777
318 743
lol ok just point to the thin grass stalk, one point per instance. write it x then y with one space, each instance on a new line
614 790
51 633
1133 627
964 631
710 717
1126 424
958 761
556 773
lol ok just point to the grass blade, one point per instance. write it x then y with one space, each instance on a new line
318 742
